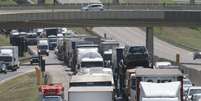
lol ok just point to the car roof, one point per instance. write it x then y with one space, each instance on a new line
195 87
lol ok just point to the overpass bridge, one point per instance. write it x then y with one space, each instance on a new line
113 15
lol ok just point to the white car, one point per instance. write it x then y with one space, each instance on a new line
186 85
191 91
93 7
164 64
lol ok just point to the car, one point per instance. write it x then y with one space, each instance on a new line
93 7
186 85
34 59
136 56
160 65
191 91
196 55
3 68
196 97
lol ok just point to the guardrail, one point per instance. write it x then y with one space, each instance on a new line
157 6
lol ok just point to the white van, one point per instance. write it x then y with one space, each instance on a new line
43 47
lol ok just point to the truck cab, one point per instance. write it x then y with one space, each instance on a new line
43 47
91 87
9 57
52 41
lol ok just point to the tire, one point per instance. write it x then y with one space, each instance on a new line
31 63
47 54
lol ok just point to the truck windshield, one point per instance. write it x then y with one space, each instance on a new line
5 58
92 64
52 31
52 99
91 84
43 47
52 40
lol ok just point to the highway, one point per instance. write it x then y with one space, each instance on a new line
136 36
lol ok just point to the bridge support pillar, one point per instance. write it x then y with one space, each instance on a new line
115 1
40 2
192 1
150 43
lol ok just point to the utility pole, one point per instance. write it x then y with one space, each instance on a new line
150 43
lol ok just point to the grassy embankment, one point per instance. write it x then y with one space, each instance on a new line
7 2
184 37
22 88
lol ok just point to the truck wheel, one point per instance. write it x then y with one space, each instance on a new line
47 54
31 63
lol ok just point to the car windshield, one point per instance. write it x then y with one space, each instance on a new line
194 91
52 99
5 58
43 47
187 82
52 40
137 50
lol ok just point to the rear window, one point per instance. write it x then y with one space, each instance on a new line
137 49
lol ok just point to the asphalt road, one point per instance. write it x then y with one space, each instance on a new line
136 36
10 74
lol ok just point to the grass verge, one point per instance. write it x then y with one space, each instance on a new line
22 88
4 40
183 37
7 2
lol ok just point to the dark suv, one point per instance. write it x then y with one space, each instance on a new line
136 56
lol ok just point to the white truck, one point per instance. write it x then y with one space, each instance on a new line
43 47
9 57
89 57
91 87
154 84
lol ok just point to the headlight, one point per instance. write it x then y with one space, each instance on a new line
39 51
47 50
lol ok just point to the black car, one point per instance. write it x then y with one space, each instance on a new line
34 59
136 56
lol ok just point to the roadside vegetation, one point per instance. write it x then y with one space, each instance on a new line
22 88
4 40
7 2
184 37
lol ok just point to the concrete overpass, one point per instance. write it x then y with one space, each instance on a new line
113 15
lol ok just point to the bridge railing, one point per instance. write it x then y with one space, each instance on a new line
156 6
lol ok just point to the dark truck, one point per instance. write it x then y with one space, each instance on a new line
136 56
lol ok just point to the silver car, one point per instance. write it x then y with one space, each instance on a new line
93 7
197 55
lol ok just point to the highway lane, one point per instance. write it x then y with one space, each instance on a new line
136 36
10 74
